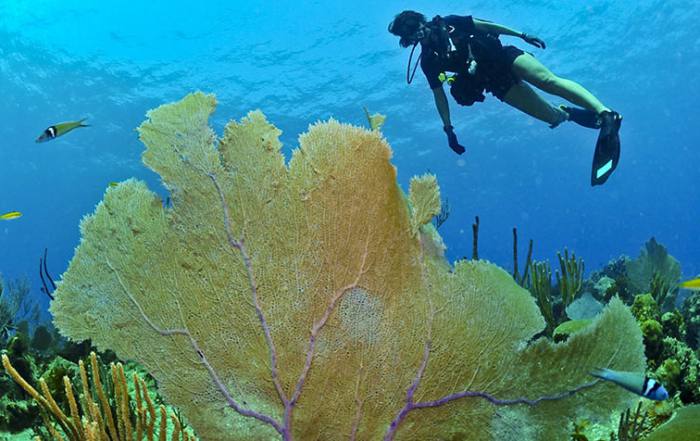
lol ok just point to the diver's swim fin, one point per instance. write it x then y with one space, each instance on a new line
607 149
582 117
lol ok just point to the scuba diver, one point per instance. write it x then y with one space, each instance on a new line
470 48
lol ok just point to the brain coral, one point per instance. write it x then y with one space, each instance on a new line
310 300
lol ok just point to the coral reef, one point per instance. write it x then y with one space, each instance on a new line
42 338
15 307
654 270
41 354
648 314
475 239
684 426
691 316
424 198
674 325
100 412
605 288
540 286
671 360
645 308
524 279
16 412
569 277
612 280
553 301
631 425
301 300
585 307
563 331
444 214
680 370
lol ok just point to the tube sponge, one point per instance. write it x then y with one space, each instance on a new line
297 300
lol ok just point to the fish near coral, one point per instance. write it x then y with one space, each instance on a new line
60 129
634 382
693 284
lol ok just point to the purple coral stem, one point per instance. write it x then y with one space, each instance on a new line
238 244
285 429
212 372
411 405
312 341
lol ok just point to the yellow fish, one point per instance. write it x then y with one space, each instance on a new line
60 129
693 285
376 120
113 184
11 215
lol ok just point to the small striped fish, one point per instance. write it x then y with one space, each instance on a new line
635 382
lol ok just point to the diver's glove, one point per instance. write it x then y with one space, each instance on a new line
531 39
452 140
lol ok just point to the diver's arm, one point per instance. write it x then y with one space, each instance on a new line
495 28
443 107
444 111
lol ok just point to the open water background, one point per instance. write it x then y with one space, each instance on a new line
301 62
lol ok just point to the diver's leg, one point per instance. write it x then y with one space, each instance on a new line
524 98
531 70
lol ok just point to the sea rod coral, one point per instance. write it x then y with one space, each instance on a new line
309 300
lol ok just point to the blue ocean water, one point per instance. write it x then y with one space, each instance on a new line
301 62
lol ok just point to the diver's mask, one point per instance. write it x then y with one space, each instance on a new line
415 38
411 33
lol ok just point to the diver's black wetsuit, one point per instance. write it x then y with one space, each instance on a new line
493 61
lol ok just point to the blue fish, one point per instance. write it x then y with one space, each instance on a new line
635 382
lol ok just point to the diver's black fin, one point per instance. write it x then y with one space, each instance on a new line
582 117
607 149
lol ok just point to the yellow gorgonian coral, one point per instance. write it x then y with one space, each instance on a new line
424 196
295 301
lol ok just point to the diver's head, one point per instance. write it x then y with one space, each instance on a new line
410 26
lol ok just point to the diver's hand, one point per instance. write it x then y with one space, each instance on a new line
452 140
531 39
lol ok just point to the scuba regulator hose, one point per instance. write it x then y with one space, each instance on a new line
409 74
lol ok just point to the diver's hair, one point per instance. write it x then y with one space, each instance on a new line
406 23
